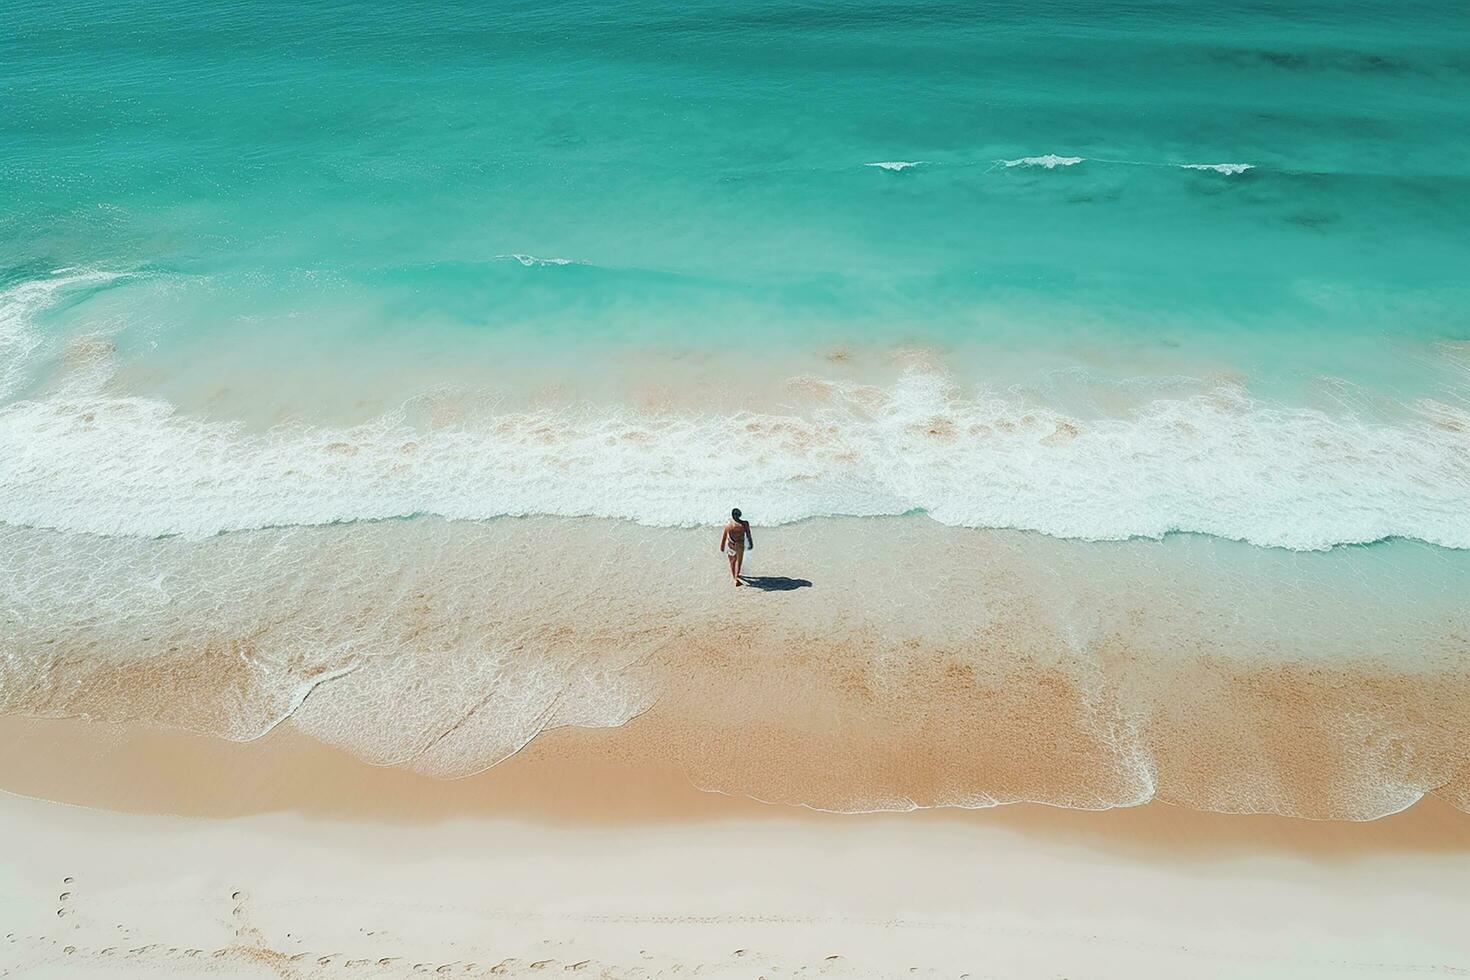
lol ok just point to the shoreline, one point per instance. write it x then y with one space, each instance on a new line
586 778
951 667
297 861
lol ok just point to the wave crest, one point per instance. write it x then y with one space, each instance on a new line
534 261
1050 161
1229 169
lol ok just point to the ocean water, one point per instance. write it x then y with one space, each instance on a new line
1207 241
1099 271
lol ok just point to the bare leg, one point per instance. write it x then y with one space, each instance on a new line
739 560
735 567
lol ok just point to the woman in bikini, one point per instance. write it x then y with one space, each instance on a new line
734 539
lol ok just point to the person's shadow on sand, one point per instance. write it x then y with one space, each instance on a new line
775 583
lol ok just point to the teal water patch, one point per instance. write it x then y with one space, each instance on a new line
727 144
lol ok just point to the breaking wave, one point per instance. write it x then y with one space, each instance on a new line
1050 161
1219 168
532 261
1220 463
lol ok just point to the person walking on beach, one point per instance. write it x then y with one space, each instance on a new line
734 539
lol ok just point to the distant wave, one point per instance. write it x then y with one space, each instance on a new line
1050 161
1219 168
535 260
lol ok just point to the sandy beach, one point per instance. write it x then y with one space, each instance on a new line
494 750
174 855
537 745
376 378
955 666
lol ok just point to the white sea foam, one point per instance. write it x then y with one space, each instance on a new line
895 165
531 261
20 340
1219 168
1218 464
1050 161
81 459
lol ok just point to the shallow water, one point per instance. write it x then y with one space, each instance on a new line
875 663
1075 211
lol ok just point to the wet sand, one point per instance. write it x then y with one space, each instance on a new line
639 719
952 666
187 856
570 778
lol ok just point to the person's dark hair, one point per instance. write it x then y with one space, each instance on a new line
735 513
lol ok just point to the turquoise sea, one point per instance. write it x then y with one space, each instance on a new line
1097 269
250 202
